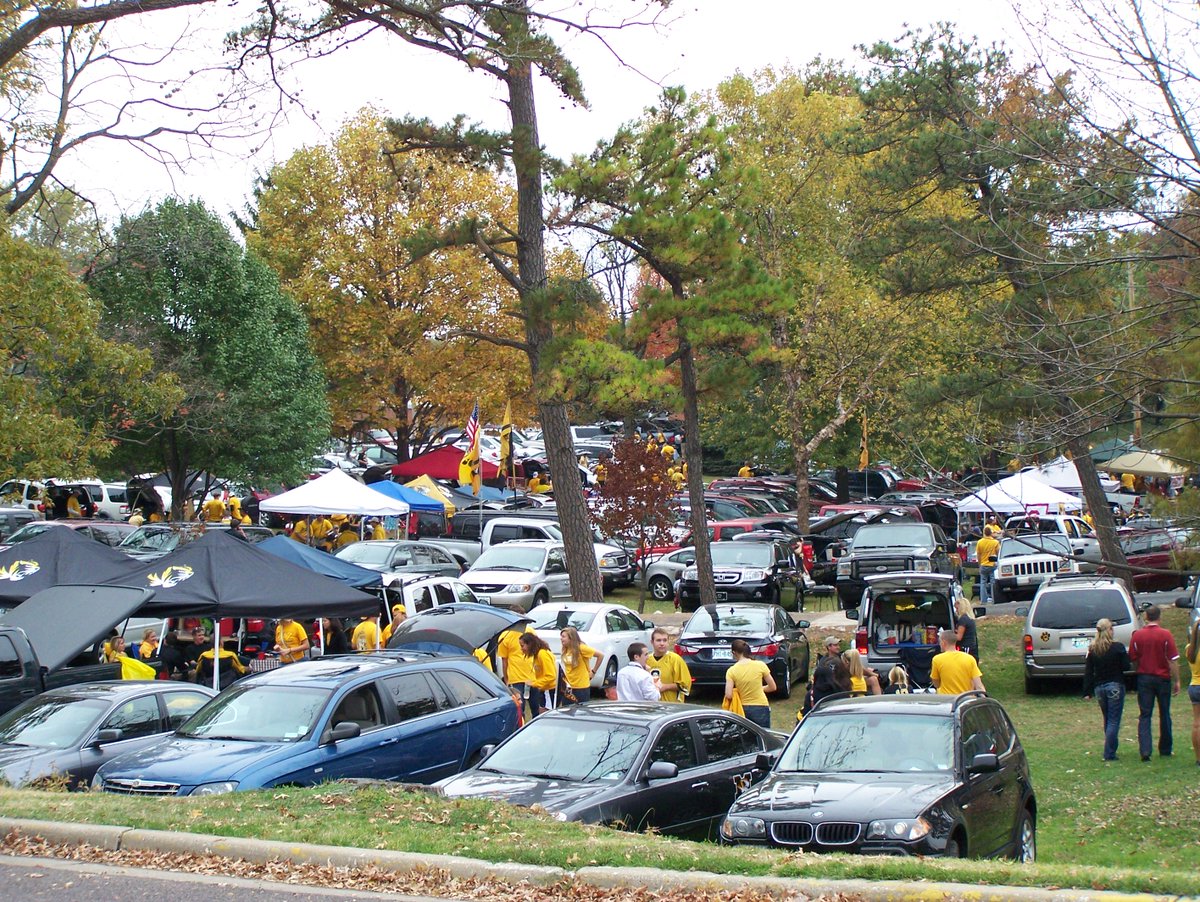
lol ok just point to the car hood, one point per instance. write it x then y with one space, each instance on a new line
553 795
189 762
853 797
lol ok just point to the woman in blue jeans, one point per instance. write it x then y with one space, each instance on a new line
1104 672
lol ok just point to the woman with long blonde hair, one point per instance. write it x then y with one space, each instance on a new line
1192 653
1104 671
863 680
578 665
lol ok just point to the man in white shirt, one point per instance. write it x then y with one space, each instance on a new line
635 683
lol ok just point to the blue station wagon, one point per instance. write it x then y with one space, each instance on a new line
408 716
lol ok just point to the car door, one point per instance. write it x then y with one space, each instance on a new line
730 749
483 716
619 635
789 635
138 721
441 561
558 583
676 803
982 801
431 733
1010 791
359 757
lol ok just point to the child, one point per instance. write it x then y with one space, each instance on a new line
897 681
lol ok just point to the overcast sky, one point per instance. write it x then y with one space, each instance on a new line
707 41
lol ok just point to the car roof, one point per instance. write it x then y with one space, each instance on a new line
333 671
115 689
909 577
1087 580
641 713
918 703
529 543
583 606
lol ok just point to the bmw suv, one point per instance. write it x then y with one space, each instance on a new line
937 775
744 571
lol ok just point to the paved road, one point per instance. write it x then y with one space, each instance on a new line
69 881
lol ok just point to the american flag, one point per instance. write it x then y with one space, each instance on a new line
473 425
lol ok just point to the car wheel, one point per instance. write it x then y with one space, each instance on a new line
610 672
540 597
1033 686
783 687
807 662
953 848
660 588
999 594
1026 848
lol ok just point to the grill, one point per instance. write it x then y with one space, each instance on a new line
141 788
620 560
486 589
881 565
1031 568
725 577
838 833
792 833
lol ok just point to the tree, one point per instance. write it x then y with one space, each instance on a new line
336 223
664 187
635 503
252 404
64 390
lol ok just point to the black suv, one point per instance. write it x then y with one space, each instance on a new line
744 571
892 548
896 774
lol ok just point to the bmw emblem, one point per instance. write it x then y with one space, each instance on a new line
818 814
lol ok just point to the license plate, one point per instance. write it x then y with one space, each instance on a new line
1024 580
484 599
722 654
1081 642
722 596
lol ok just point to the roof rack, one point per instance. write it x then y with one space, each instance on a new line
1067 577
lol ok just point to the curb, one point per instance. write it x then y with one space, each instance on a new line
261 851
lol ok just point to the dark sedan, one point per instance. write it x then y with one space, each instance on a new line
66 734
896 774
673 768
773 636
401 556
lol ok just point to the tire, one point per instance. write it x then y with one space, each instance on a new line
999 594
540 597
661 588
783 688
1033 686
953 848
610 672
1025 848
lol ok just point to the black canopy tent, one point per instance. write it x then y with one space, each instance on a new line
56 557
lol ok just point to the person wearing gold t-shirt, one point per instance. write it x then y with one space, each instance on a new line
673 673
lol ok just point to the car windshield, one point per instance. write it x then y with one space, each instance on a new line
366 553
51 722
569 748
858 742
741 554
1035 543
721 618
557 620
258 714
151 538
28 532
1079 608
511 557
892 536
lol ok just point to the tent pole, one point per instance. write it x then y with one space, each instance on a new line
216 654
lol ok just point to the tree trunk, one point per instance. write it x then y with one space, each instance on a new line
801 459
582 567
1106 527
695 478
177 475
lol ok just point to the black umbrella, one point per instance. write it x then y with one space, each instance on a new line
458 627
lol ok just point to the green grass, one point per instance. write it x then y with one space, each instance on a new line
1126 825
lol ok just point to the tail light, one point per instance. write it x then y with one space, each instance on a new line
1028 644
41 507
860 641
769 651
962 553
807 556
682 650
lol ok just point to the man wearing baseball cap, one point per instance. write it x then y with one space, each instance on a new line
831 675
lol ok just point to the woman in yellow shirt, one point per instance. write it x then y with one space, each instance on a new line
148 650
291 641
1192 653
749 678
863 680
579 665
545 672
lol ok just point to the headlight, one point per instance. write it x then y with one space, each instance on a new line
921 566
97 783
1006 569
735 827
215 789
844 569
607 562
691 573
1064 565
903 829
754 576
560 816
516 588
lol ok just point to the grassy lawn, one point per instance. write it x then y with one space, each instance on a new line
1122 825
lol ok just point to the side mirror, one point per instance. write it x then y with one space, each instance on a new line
802 624
1144 606
835 551
690 562
556 568
648 624
346 729
852 614
764 761
1185 601
486 751
984 764
662 770
106 736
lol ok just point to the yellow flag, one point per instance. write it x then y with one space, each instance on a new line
469 471
862 449
506 452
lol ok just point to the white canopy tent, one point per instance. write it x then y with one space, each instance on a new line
1144 463
335 493
1062 475
1017 494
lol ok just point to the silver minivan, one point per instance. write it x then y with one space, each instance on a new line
1061 623
520 575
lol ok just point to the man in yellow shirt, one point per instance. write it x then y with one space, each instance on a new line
673 675
347 536
365 638
986 550
745 472
954 672
213 510
300 531
399 615
320 528
291 641
377 531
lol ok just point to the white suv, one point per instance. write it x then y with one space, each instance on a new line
1027 561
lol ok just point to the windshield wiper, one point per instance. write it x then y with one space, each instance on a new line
504 567
564 777
224 738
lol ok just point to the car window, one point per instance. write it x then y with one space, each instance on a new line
445 594
403 557
421 555
683 556
675 744
109 535
462 690
631 620
412 695
978 735
464 593
501 533
439 557
556 559
783 622
360 706
10 664
181 706
725 739
1079 608
1001 729
422 599
465 528
137 717
613 623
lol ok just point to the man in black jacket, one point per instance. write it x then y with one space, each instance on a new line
830 676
